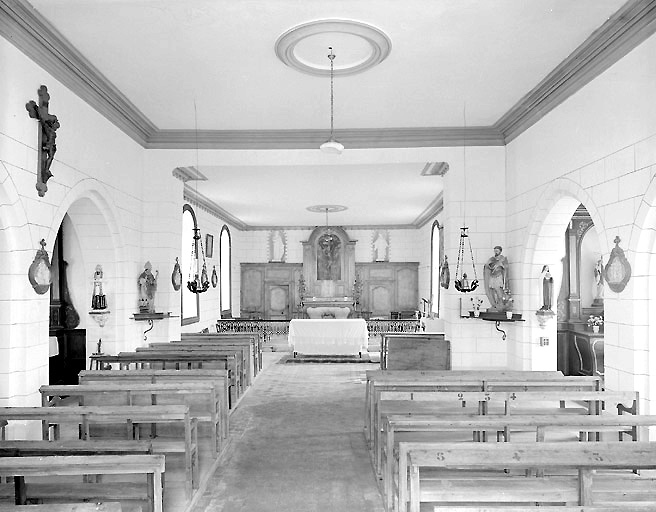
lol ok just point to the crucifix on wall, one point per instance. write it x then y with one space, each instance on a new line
48 125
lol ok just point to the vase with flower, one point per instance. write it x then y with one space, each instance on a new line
477 302
595 322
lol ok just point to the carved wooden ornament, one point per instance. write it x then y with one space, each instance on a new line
618 269
39 273
48 125
215 277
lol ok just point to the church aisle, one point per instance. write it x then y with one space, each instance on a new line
297 444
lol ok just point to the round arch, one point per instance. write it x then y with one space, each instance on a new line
545 246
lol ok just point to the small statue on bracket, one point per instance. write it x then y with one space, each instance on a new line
147 286
98 300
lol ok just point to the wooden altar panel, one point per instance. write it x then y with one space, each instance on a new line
406 288
381 299
277 302
388 286
252 288
269 290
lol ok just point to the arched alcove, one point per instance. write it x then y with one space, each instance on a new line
538 348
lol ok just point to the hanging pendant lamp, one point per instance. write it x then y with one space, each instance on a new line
198 281
331 145
462 282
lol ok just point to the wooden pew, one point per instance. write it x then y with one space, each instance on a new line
203 399
414 351
253 340
150 465
132 420
36 448
379 382
176 361
574 470
213 376
64 507
618 507
244 348
242 351
399 428
496 403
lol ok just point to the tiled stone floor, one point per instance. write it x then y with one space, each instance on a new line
297 444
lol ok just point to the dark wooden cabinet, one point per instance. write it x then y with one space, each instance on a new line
72 357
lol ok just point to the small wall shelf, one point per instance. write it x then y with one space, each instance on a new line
497 318
150 318
100 316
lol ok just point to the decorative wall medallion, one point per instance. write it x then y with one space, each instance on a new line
215 277
618 269
48 125
176 276
39 273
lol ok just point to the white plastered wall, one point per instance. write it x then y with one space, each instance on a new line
98 170
597 148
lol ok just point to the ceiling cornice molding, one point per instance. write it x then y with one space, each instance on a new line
311 139
632 24
26 29
200 201
431 211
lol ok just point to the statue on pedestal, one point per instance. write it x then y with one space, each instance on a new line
495 275
147 286
98 300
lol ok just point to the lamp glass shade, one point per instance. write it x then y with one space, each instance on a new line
332 146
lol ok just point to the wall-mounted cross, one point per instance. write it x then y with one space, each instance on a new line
48 124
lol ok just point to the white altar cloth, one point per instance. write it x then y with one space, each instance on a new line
328 336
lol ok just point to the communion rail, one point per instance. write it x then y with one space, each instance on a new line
268 328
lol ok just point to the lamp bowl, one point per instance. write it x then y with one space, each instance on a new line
332 146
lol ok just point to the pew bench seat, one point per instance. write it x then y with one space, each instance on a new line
600 473
110 506
202 398
122 422
215 376
152 466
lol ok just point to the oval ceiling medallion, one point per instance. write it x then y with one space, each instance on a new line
357 47
327 208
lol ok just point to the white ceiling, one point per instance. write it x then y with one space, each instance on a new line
452 63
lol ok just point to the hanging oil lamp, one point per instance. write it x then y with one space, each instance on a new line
462 282
200 282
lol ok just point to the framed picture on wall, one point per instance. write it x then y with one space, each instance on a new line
209 245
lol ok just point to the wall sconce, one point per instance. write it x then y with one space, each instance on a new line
40 273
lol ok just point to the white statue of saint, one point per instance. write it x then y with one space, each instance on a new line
380 248
277 246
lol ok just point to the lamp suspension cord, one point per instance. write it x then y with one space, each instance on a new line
464 163
331 56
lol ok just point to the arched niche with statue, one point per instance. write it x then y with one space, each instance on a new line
329 267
